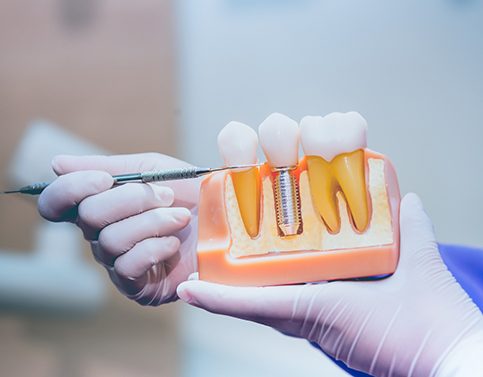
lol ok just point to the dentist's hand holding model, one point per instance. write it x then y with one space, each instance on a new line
417 322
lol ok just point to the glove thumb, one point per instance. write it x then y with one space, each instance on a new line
417 234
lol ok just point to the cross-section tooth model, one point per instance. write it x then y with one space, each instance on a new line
333 214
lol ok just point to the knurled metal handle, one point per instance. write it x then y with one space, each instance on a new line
169 174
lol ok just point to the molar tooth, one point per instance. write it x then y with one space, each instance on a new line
335 160
238 144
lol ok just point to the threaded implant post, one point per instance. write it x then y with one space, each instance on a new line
287 202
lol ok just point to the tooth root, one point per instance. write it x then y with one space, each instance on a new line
323 188
247 190
348 169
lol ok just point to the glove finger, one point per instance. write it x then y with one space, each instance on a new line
117 164
59 200
98 211
260 304
132 266
120 237
186 191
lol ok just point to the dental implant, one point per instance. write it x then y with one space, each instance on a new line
287 202
279 137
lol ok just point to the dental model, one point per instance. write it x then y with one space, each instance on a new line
333 214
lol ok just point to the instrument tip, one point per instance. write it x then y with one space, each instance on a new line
10 192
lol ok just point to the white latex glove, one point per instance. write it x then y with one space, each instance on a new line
141 233
405 325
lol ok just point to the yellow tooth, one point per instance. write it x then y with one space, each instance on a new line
247 190
323 187
345 172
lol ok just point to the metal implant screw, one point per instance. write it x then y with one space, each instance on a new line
287 202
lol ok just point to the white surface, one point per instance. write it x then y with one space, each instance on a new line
333 134
42 141
411 68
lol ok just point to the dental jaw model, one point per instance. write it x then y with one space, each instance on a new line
331 215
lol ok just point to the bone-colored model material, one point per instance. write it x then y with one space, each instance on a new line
349 202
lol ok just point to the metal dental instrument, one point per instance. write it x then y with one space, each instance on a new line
145 177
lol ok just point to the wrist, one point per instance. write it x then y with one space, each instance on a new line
465 358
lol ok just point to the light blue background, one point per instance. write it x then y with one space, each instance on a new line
413 69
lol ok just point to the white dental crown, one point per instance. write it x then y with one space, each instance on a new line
334 134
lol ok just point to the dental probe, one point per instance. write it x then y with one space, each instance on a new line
145 177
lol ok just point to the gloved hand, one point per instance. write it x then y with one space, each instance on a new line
404 325
144 234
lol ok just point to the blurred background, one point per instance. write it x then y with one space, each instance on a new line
118 76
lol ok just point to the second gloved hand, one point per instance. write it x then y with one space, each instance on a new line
415 323
143 234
